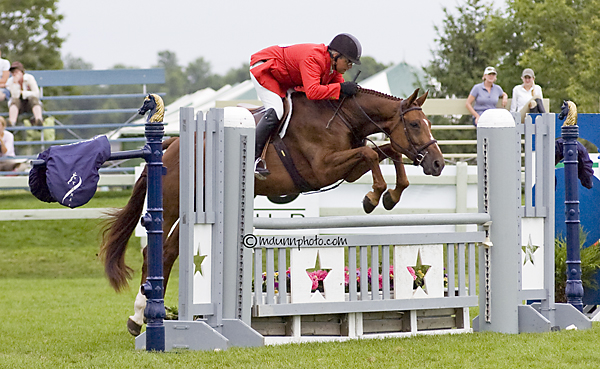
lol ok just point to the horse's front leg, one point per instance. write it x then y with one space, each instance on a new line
351 165
392 196
170 254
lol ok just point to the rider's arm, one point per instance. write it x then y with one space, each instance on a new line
311 71
34 90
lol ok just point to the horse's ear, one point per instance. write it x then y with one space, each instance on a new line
411 99
421 100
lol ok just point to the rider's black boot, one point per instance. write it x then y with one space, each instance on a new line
264 129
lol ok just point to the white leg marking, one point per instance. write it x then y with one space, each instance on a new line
138 308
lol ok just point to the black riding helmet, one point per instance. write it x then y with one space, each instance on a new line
348 46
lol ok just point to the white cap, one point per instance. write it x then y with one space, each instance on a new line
489 70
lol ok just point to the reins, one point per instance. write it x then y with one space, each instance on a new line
414 152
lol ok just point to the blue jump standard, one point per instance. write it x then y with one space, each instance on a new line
574 288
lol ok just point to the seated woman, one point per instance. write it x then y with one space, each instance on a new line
527 97
25 95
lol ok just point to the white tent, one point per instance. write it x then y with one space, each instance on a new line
398 80
201 100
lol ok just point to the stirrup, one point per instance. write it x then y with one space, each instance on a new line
260 169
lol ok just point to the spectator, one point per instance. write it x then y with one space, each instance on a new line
315 69
485 95
25 95
527 97
4 70
7 147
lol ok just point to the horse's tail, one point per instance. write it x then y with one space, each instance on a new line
120 225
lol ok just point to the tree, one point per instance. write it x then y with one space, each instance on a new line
199 76
460 58
367 68
72 62
544 36
175 78
237 75
584 84
29 33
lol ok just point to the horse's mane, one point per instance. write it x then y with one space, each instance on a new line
379 94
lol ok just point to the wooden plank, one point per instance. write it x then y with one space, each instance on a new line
445 322
383 315
458 106
53 214
105 180
322 328
273 326
79 77
383 326
435 312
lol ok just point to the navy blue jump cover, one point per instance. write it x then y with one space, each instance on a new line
585 170
70 175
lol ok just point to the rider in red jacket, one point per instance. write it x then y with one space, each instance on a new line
315 69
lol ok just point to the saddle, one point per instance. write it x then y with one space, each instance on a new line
278 144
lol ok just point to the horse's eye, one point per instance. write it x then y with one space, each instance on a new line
414 125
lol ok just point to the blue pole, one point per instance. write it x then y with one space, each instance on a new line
153 220
574 288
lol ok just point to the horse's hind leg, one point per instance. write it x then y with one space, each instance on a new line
136 321
170 254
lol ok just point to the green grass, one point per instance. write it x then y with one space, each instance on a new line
58 311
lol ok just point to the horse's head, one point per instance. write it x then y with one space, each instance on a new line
411 136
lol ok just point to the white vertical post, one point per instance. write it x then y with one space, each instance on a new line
499 178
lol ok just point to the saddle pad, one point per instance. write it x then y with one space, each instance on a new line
286 122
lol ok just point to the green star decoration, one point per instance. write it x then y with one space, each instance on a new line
529 250
198 259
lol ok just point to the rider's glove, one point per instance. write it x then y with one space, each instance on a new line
348 88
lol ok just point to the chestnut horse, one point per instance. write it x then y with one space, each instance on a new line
324 151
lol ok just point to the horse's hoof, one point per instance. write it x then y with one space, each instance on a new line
284 199
134 328
368 206
388 202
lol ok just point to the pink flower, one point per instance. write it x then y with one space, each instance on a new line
314 279
412 272
315 283
321 274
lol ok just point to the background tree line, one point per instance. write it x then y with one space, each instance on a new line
556 38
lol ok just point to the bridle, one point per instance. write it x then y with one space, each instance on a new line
415 153
418 152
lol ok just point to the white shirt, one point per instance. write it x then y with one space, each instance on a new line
520 96
8 141
4 65
30 87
